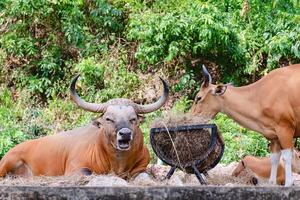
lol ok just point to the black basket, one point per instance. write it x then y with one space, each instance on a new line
198 148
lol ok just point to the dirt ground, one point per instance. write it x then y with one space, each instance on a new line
220 176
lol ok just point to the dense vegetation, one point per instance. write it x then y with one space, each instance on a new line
118 46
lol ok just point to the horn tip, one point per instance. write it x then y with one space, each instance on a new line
164 83
73 83
77 76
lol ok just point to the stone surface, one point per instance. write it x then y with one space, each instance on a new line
114 193
143 179
107 181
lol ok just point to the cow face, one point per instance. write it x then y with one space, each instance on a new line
121 123
207 100
120 118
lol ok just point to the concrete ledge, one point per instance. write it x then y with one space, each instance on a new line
139 193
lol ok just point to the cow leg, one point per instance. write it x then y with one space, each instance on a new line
274 156
287 158
8 163
286 142
22 169
142 164
85 171
240 167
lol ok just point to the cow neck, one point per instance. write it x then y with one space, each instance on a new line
122 162
240 104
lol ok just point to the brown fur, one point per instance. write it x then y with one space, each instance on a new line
71 151
270 106
261 167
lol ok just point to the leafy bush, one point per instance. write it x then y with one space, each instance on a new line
91 72
42 39
270 33
10 129
186 31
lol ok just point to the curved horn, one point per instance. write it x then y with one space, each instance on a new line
93 107
142 109
207 76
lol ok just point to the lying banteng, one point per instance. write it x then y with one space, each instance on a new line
270 106
112 144
261 168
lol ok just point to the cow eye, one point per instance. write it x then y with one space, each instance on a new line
133 120
109 119
198 99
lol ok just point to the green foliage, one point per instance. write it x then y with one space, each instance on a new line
103 80
187 31
10 114
187 84
43 39
239 37
271 33
20 122
92 72
145 127
119 83
43 44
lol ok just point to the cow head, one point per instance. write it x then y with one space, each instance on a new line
207 102
120 117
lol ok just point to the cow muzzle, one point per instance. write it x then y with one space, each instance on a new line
124 137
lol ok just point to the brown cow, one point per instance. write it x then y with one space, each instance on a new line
261 167
112 144
270 106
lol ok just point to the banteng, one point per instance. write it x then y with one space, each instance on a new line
111 144
270 106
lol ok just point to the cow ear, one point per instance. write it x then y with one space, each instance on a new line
141 118
219 90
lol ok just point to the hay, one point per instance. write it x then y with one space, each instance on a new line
46 180
219 176
176 119
183 148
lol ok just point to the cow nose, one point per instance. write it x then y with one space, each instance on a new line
124 132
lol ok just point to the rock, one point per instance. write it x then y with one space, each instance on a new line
191 179
141 193
107 180
158 171
175 180
143 179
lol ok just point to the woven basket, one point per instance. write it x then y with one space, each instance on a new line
189 146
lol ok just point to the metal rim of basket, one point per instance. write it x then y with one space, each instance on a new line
218 158
197 162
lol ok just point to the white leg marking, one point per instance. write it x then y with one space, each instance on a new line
287 158
274 161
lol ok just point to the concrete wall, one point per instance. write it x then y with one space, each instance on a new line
157 193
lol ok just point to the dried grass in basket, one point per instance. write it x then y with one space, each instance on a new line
185 148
